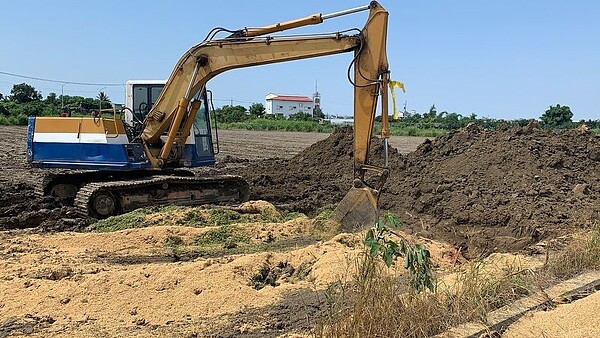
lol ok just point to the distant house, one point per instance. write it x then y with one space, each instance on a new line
288 104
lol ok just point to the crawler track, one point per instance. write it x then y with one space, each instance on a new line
103 199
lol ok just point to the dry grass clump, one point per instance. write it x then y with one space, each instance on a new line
581 254
380 304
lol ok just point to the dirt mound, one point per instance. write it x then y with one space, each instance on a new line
498 190
319 175
481 190
20 208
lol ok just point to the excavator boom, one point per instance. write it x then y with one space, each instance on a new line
207 60
246 48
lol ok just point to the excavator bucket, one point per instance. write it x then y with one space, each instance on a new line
357 210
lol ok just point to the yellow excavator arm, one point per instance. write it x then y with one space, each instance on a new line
174 115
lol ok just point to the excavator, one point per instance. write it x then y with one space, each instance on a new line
120 164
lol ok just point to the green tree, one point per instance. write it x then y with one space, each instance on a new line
103 97
413 118
318 113
1 96
3 110
451 120
103 100
23 93
52 99
33 108
232 114
557 116
257 109
431 116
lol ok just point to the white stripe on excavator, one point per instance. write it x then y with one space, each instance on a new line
89 138
79 138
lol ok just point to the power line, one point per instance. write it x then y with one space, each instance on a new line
233 100
61 82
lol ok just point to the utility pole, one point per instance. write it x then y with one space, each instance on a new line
62 95
317 112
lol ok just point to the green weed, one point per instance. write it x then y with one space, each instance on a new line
377 303
225 235
223 217
292 215
173 241
130 220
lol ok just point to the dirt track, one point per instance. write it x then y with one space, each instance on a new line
271 144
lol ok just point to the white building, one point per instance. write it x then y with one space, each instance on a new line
288 104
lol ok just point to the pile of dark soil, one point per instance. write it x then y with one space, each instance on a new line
484 191
499 190
318 176
20 208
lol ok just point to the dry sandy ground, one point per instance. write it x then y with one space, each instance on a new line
575 320
130 283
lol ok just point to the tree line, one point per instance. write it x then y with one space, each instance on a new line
24 101
233 114
555 117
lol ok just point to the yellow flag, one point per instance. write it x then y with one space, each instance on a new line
395 84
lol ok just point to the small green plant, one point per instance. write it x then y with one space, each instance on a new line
292 215
223 216
225 235
194 218
376 304
417 259
214 236
325 212
173 241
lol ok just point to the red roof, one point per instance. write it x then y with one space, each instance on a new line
292 98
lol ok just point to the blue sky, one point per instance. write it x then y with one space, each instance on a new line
500 59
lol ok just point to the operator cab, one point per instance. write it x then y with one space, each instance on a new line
140 96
